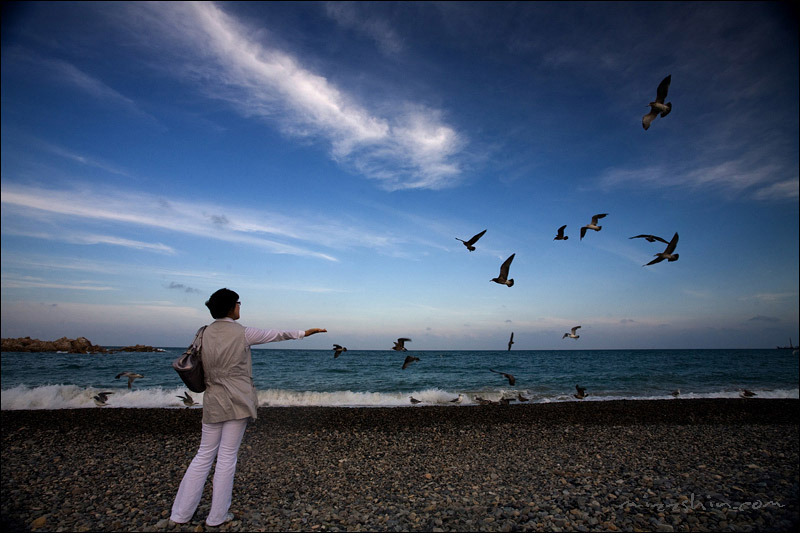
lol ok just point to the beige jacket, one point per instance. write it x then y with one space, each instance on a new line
230 393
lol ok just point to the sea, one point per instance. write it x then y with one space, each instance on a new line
363 378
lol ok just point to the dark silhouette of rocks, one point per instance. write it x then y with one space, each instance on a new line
79 345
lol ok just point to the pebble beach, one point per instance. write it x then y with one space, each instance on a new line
633 465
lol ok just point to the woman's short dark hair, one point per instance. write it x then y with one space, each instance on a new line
221 303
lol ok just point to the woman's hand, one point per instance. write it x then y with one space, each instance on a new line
315 330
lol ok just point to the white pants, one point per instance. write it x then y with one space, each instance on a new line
220 440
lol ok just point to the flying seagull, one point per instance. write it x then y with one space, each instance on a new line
560 236
187 400
676 393
338 350
593 224
469 244
101 398
573 334
581 394
409 359
510 341
658 107
130 375
398 346
509 377
666 254
502 279
649 238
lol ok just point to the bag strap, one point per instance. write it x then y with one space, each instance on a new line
198 338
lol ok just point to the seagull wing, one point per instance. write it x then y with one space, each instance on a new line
475 238
505 266
672 244
561 230
583 231
658 259
648 118
663 87
598 217
576 328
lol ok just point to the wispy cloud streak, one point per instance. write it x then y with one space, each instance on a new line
413 148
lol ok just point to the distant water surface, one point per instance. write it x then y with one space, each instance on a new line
374 378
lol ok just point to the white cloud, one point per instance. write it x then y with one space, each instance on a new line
412 148
353 15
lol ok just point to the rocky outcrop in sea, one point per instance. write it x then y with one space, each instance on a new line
79 345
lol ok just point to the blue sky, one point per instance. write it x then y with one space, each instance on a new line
321 158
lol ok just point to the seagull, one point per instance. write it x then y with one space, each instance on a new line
130 375
469 244
187 400
502 279
676 393
398 346
484 402
509 377
581 394
458 400
101 398
747 393
506 401
510 341
649 238
666 254
658 106
415 401
572 335
522 398
338 350
560 236
409 359
593 225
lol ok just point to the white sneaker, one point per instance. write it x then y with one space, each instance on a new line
228 518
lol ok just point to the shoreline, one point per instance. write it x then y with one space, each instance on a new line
667 465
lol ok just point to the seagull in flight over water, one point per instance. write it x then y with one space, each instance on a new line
469 244
502 279
101 398
509 377
658 107
399 345
131 377
409 359
510 341
338 350
572 334
581 393
187 400
667 253
593 224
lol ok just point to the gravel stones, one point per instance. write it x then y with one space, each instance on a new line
672 465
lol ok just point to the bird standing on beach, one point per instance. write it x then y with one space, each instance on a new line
560 235
131 377
593 225
658 107
510 341
522 398
337 350
101 398
747 393
399 345
676 393
649 238
409 359
187 400
502 279
581 393
509 377
458 400
667 253
415 401
470 243
572 334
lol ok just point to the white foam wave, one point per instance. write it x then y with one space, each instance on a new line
74 397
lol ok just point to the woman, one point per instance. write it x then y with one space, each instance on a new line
229 402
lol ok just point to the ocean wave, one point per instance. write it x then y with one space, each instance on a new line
75 397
